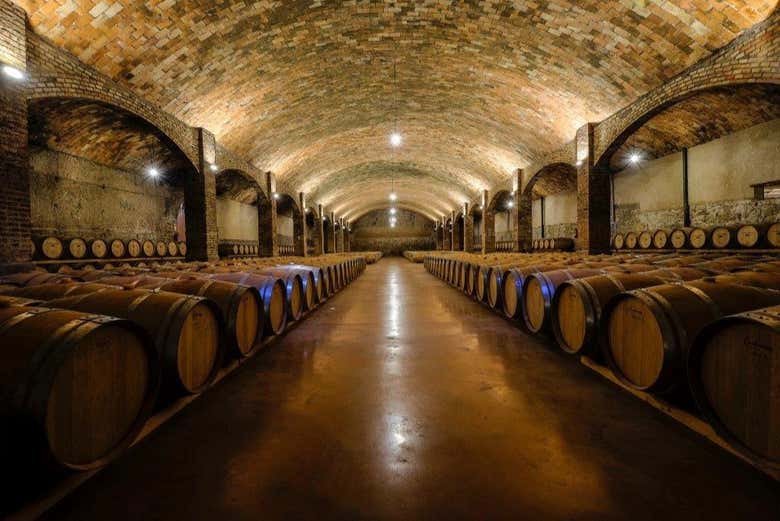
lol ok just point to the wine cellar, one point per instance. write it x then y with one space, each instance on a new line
390 260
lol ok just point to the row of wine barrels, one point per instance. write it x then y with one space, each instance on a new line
53 248
187 330
719 237
560 243
76 388
236 249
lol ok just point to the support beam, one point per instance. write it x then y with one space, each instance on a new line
300 228
686 198
468 228
15 225
447 242
319 244
200 203
593 196
488 225
332 237
340 236
267 221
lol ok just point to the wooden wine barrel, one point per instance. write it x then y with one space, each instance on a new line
749 236
77 248
726 264
147 247
33 278
134 248
538 291
75 388
240 306
773 235
698 238
160 249
645 240
678 239
306 277
172 249
51 248
182 248
99 248
733 373
631 239
514 279
186 330
33 248
618 241
661 239
646 333
117 248
576 306
315 276
273 293
46 292
721 237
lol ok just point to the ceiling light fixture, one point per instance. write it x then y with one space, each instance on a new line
393 196
213 167
276 195
635 158
393 211
13 72
153 172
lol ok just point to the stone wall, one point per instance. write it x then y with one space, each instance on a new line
236 221
720 172
74 197
372 232
560 216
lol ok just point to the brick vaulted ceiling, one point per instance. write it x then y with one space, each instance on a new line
305 88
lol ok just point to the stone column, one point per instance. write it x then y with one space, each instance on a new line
347 236
319 244
488 225
468 228
200 203
300 227
15 226
266 209
593 196
332 237
340 237
447 242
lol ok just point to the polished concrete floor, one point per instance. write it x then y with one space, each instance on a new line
401 399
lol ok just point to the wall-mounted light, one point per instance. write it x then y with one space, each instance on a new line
393 211
277 195
213 167
395 140
13 72
153 172
580 163
510 204
308 210
635 158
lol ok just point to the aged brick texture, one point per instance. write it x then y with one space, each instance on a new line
412 231
483 87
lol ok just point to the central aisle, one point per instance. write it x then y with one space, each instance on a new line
402 399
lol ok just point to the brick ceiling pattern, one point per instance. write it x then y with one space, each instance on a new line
701 118
305 89
105 135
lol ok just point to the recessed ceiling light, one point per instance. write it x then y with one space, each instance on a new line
635 158
13 72
396 139
153 172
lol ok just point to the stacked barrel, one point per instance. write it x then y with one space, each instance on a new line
746 236
678 325
89 355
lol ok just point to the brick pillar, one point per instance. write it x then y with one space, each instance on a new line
14 171
200 203
447 242
266 222
299 228
436 235
319 244
332 237
468 228
340 237
593 197
524 232
347 236
488 225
